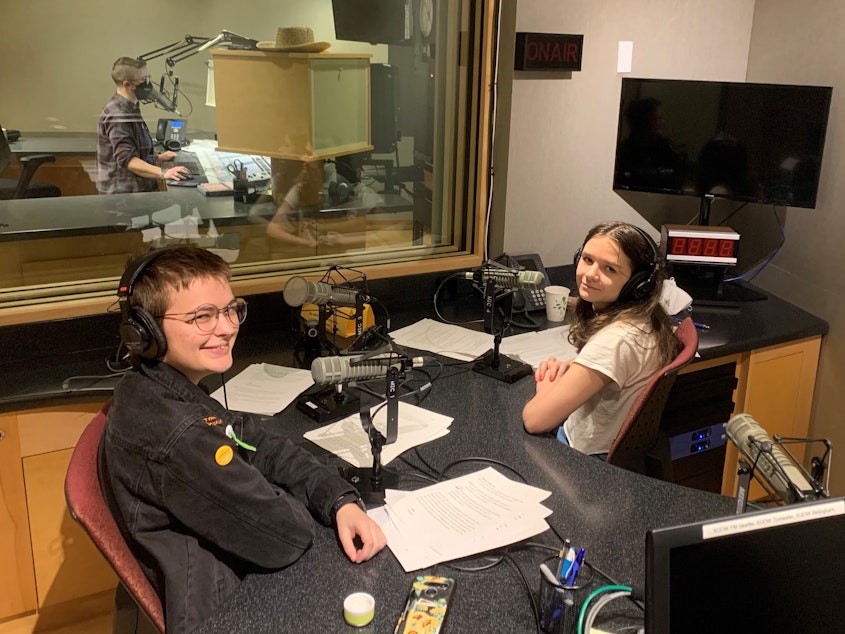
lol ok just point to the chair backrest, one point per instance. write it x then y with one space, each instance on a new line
87 506
24 187
640 430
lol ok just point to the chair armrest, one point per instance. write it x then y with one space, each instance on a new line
29 164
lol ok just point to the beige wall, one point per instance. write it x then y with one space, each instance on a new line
56 55
563 130
802 43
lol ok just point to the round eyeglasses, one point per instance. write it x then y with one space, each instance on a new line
205 317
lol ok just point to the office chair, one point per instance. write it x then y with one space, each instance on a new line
639 431
24 187
87 506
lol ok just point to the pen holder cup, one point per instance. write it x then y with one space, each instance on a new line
559 606
244 191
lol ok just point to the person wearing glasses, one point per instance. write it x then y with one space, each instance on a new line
205 495
126 158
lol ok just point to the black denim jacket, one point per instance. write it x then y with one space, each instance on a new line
197 515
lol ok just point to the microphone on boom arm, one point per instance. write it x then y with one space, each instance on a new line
778 473
507 278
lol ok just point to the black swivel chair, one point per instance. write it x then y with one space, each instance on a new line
24 187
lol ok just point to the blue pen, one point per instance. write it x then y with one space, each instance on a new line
574 568
697 324
568 560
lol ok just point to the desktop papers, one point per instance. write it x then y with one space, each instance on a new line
264 388
460 517
347 439
458 342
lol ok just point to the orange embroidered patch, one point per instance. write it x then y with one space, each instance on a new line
212 420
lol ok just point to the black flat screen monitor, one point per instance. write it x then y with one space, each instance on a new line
779 570
373 21
748 142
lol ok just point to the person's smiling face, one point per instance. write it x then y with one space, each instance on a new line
194 353
602 271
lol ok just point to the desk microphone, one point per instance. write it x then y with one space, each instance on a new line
334 370
299 291
772 464
507 278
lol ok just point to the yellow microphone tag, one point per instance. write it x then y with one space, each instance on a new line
223 455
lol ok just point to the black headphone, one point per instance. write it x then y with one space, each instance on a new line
140 332
174 145
339 190
641 284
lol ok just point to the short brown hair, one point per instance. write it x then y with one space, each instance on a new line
174 269
124 69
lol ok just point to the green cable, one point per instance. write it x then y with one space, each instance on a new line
230 432
590 598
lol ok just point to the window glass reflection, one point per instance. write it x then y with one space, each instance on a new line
349 152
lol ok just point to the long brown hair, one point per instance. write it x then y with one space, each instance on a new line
633 309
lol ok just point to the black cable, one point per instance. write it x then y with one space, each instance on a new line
481 459
437 310
527 587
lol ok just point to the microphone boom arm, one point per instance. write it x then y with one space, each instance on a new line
191 45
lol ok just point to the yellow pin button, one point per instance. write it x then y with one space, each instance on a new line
223 455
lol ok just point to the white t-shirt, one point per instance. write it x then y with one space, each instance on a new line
627 354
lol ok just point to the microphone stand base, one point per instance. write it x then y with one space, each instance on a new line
328 405
362 479
507 370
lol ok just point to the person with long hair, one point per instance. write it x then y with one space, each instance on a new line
623 336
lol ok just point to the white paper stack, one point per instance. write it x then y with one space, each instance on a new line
347 439
460 517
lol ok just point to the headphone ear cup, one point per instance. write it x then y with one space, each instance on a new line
638 286
142 335
339 190
577 257
174 145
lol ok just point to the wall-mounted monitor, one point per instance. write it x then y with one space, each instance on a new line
373 21
760 143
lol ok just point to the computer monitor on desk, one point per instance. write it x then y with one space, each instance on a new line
780 570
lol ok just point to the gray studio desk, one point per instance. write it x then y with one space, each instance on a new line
602 508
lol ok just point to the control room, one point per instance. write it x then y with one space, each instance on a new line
422 194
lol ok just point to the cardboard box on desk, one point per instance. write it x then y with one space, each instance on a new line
342 318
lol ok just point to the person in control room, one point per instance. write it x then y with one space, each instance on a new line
126 158
623 336
205 495
319 187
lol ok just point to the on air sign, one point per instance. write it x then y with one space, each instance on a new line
548 51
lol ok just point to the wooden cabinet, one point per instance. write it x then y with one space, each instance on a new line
775 386
289 105
48 559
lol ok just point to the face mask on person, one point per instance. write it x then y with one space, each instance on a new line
144 90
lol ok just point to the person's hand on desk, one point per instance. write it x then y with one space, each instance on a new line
352 522
175 173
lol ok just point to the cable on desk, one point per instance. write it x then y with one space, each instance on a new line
527 587
588 614
481 459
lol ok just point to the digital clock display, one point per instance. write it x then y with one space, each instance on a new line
699 245
707 247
